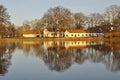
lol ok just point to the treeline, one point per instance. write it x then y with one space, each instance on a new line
7 28
62 18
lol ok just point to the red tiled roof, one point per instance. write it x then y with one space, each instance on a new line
31 32
77 30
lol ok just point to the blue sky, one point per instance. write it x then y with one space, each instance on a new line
21 10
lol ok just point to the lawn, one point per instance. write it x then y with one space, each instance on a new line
62 39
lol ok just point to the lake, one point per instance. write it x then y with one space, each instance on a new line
65 60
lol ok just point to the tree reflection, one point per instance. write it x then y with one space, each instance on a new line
5 56
59 58
113 57
79 56
31 47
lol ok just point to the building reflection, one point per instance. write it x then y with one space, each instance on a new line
69 44
59 56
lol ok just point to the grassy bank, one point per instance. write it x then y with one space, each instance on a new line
61 39
115 39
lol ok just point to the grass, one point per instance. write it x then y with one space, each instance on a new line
61 39
113 39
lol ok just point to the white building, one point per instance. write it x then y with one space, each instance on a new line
32 33
50 33
75 33
81 33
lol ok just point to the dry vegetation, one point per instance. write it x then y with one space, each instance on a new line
63 18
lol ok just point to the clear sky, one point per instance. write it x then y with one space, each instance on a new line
21 10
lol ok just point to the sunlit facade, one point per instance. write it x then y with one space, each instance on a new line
50 33
81 33
71 33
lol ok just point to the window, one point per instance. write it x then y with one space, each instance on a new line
75 35
89 34
82 35
72 42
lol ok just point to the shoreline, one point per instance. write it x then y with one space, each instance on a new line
95 39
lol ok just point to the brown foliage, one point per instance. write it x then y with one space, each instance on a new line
113 34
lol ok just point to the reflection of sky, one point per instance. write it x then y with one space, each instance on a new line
29 67
21 10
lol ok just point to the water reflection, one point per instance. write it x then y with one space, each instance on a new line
60 56
6 50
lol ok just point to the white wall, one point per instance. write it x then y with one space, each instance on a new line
29 35
67 34
76 34
46 33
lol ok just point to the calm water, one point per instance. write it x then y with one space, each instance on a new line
52 60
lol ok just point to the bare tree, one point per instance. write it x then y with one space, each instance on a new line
10 30
20 31
95 19
79 19
26 26
111 13
117 20
57 17
4 19
37 25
